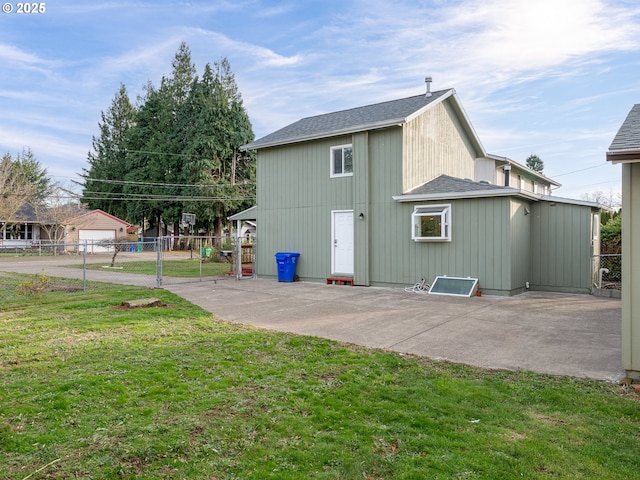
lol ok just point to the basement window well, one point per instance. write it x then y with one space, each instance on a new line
456 286
431 223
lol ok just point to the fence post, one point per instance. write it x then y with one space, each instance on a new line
84 268
158 262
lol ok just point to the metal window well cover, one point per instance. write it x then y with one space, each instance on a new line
456 286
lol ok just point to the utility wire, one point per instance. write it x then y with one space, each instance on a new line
159 184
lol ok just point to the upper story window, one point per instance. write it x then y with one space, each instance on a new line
341 161
431 223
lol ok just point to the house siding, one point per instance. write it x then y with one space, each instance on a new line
435 144
631 268
561 247
361 201
520 231
296 197
480 246
93 221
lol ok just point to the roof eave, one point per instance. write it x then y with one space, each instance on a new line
481 152
570 201
507 192
320 135
631 155
508 161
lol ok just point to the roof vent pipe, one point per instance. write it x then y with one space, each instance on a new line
428 82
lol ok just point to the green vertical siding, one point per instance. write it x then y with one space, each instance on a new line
631 268
295 196
520 225
503 241
480 245
561 247
361 205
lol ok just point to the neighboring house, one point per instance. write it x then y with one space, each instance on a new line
389 193
93 229
625 149
22 233
36 226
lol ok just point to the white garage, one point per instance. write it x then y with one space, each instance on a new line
94 227
94 240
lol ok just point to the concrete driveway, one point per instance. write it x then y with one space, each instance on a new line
559 334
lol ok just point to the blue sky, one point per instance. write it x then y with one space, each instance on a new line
550 77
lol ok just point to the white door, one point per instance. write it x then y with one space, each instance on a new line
342 242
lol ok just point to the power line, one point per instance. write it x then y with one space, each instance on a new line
159 184
163 198
576 171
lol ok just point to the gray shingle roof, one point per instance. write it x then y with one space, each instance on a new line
447 184
628 137
348 121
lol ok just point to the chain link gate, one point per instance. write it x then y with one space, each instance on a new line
184 259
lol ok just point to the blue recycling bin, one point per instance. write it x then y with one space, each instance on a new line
287 262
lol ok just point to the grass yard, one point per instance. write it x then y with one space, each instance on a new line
189 268
89 390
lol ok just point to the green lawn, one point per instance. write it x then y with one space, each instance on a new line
88 390
173 268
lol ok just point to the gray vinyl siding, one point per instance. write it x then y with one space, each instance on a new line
561 247
295 196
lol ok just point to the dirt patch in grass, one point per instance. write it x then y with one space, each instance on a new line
125 307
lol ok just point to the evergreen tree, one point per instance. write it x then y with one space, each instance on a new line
156 155
103 186
147 160
534 163
212 126
182 141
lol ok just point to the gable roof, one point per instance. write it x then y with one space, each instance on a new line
93 212
379 115
626 144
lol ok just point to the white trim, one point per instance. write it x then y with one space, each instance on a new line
423 109
570 201
503 192
524 168
445 221
472 290
333 148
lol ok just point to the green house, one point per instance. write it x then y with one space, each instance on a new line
390 193
625 149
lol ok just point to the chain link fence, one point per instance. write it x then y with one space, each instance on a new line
607 271
149 263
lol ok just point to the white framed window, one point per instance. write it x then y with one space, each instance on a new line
341 161
431 223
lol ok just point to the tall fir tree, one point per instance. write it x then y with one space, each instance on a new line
184 142
103 186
